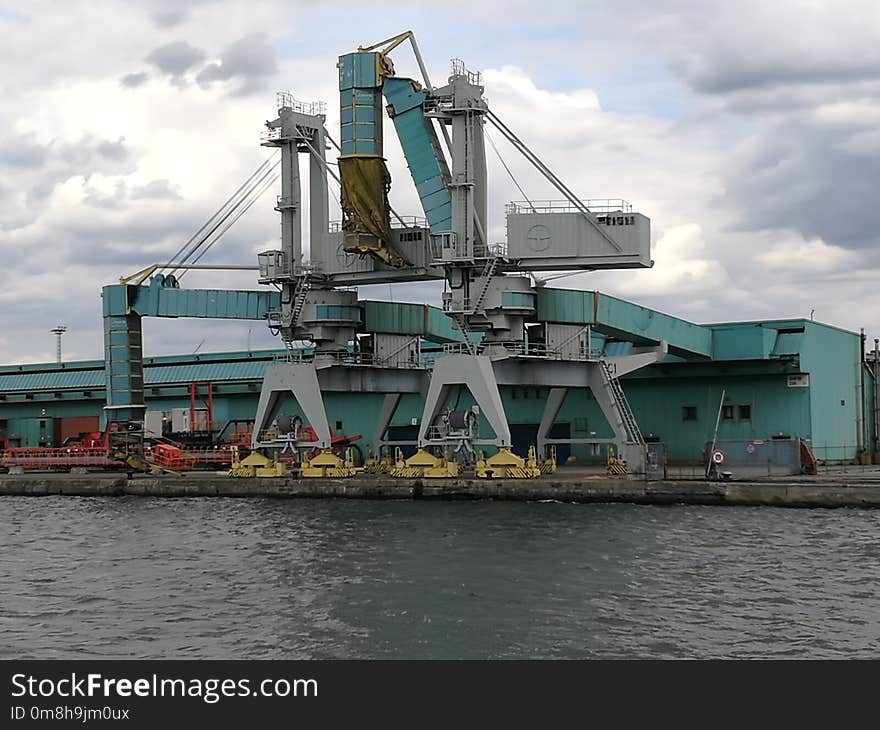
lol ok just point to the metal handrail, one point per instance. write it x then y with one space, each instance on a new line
286 100
595 205
521 349
352 359
409 221
458 68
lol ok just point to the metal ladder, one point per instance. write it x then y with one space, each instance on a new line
460 319
486 275
621 405
299 300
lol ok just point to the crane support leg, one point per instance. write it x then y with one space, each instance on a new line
548 418
603 380
389 407
300 379
476 373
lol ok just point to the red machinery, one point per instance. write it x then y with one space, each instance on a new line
63 459
177 458
338 442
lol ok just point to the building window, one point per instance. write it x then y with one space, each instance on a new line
745 413
689 413
727 413
339 426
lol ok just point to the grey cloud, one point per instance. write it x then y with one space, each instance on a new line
169 18
176 58
133 80
114 201
156 190
796 98
726 74
115 151
59 162
249 60
805 179
22 152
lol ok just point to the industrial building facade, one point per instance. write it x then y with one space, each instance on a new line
779 379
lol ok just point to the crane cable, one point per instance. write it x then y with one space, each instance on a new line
229 212
509 172
241 211
232 202
207 223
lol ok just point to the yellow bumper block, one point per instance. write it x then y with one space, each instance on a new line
507 465
328 465
257 465
425 464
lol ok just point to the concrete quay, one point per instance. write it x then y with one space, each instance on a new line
836 491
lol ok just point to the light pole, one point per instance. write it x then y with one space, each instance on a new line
58 331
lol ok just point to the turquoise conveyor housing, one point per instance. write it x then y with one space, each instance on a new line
361 87
421 149
124 306
792 377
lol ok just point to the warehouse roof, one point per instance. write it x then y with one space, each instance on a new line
89 374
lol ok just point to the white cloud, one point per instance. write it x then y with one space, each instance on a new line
759 186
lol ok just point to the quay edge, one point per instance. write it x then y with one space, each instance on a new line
771 494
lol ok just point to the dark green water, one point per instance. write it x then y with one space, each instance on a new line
217 578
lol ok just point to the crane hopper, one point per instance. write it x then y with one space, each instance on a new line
364 77
364 177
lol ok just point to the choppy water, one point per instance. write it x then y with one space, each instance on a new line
223 578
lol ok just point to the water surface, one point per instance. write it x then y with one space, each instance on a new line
233 578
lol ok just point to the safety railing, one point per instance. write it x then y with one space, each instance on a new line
286 100
353 359
458 68
408 221
522 349
595 205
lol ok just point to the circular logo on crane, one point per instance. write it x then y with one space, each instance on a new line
538 237
718 457
346 260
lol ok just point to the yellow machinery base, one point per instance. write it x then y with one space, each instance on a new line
257 465
615 465
507 465
385 465
425 464
328 465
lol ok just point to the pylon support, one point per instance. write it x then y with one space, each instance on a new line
300 379
475 372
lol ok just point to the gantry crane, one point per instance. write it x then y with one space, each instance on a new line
488 288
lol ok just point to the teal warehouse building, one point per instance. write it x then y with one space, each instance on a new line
757 380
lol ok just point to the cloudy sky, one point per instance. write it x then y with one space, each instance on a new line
748 132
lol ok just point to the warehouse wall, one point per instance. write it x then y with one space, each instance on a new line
827 412
832 358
